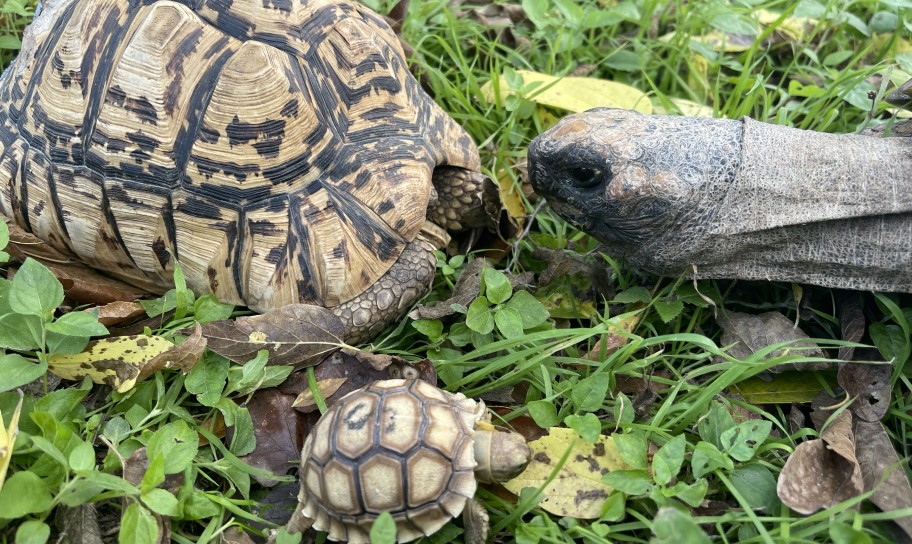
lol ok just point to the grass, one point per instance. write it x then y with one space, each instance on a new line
816 75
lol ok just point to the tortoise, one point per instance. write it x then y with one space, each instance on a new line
407 448
279 150
718 198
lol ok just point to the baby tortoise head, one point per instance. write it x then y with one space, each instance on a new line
501 455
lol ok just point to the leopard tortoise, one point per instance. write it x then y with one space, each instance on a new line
407 448
279 150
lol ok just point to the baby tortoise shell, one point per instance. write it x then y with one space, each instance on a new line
407 448
279 150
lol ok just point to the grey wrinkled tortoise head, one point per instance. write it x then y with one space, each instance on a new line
716 198
407 448
280 151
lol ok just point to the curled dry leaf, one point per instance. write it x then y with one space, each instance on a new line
118 362
81 283
851 320
577 491
347 370
882 471
234 535
8 439
297 334
870 383
750 333
822 472
116 313
183 356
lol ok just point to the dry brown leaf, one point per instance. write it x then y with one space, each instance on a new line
307 402
870 383
183 356
279 432
234 535
750 333
118 312
297 334
852 321
882 471
822 472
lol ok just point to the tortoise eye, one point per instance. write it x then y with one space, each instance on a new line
584 177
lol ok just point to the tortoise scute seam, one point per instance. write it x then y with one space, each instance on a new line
365 411
234 135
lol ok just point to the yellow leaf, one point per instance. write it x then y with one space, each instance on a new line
795 29
574 94
8 440
689 108
577 489
117 362
509 196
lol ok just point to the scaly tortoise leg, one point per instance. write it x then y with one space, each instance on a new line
475 522
392 295
465 199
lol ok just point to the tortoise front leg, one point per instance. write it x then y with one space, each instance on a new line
475 521
465 199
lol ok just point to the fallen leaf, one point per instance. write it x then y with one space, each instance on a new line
234 535
183 356
882 471
870 383
297 334
785 388
8 439
279 431
577 491
750 333
115 313
307 402
823 472
122 361
851 320
575 94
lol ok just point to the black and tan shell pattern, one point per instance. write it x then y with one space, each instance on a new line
278 149
397 446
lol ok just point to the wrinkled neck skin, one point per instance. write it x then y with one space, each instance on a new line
716 198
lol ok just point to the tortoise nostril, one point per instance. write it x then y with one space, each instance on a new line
584 177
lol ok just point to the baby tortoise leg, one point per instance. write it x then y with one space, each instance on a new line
475 522
465 199
392 295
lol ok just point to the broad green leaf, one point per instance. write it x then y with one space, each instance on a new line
116 429
707 458
161 502
77 324
666 463
24 493
577 490
717 421
742 441
21 332
843 533
207 309
82 457
177 442
668 309
16 371
587 426
247 378
671 526
634 294
632 448
532 311
589 394
757 485
154 475
692 494
630 482
889 339
543 412
383 530
32 531
432 328
497 286
137 526
576 94
479 317
35 290
781 388
509 322
207 379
